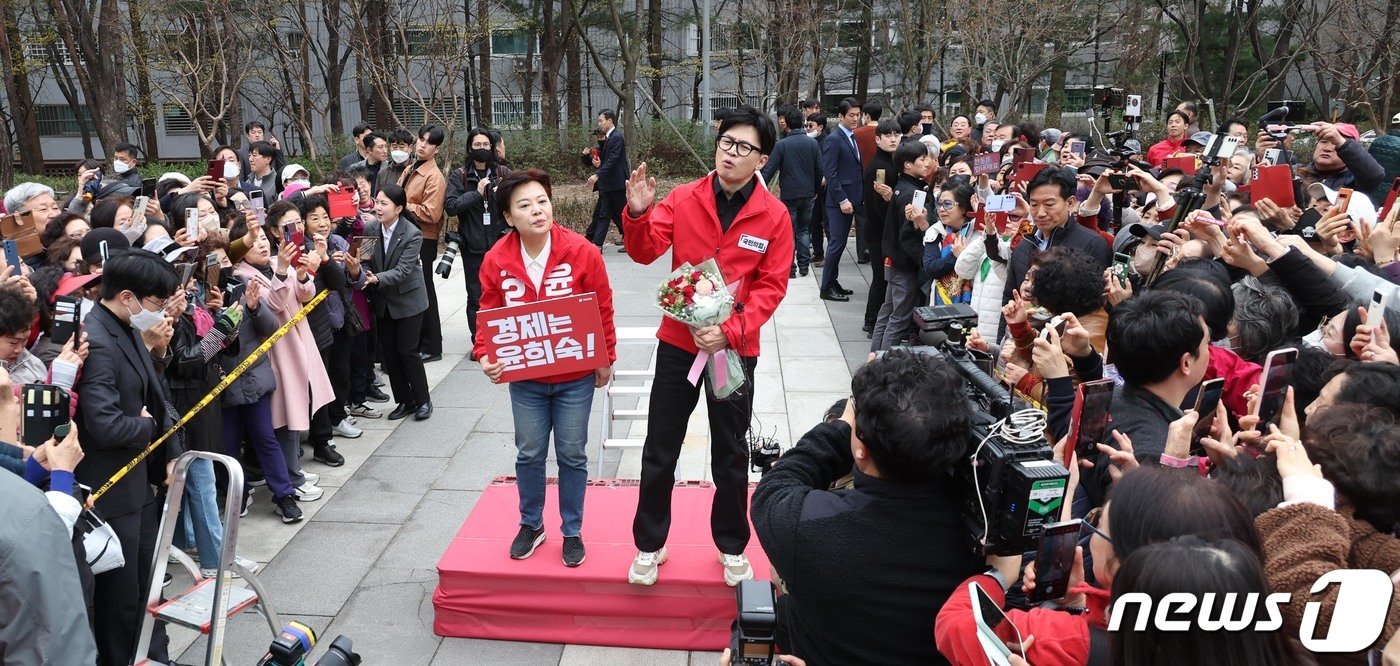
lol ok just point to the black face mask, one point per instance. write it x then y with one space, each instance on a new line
481 155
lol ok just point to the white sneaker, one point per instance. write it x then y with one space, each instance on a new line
347 430
366 411
308 492
249 565
644 567
736 568
311 477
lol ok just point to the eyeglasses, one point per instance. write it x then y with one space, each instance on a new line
731 145
1091 522
945 204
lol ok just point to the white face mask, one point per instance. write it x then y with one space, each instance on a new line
135 230
301 182
231 170
997 144
981 119
814 133
398 156
1314 340
145 319
120 166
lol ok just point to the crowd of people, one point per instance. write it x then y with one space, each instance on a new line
1083 263
178 280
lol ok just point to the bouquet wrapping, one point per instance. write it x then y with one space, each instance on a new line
698 297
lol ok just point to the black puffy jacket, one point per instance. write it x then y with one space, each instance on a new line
469 206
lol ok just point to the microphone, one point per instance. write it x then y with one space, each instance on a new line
1277 114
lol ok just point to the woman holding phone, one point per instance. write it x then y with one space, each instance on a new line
512 273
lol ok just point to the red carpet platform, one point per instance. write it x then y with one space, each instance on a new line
482 593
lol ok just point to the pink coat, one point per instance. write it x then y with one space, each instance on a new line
302 384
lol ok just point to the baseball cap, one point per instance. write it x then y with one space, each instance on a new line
1359 207
70 283
175 176
1051 134
1133 233
166 247
101 243
1134 145
115 189
1395 120
1201 139
1349 131
290 171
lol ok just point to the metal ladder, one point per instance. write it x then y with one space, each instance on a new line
633 335
195 608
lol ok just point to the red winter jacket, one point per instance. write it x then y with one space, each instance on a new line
756 252
1239 375
574 266
1061 638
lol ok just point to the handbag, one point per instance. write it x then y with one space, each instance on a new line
354 325
104 550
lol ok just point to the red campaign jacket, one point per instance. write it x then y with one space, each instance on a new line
756 252
575 266
1239 375
1061 638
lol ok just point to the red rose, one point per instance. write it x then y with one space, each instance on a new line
695 277
689 292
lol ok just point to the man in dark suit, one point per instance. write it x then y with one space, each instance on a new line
399 302
841 166
610 181
123 409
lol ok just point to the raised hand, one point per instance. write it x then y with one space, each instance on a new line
641 191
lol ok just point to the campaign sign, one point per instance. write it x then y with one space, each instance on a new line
555 336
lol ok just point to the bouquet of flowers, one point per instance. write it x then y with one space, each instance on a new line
698 297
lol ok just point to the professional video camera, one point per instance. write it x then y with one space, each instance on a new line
295 642
1011 485
449 255
756 627
1108 97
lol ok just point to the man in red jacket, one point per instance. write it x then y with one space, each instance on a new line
730 217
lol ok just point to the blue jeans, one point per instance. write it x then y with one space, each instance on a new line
200 522
800 210
563 408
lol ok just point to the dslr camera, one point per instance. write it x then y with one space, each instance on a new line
449 255
295 642
755 629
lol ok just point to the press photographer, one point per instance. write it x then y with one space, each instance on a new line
867 569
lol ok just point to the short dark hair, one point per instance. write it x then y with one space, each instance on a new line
1155 504
810 103
609 114
1375 384
920 109
277 209
128 148
908 120
262 148
1190 108
360 129
911 414
747 115
434 134
141 272
401 136
848 104
873 109
368 140
1233 120
104 213
1185 117
791 115
960 188
1254 481
396 194
1358 447
889 126
1264 318
254 125
17 310
1064 178
54 230
506 186
1148 334
311 202
987 103
818 118
1210 288
908 151
1067 280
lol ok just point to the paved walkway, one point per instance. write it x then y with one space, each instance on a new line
363 562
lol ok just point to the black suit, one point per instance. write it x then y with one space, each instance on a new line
118 381
613 172
399 301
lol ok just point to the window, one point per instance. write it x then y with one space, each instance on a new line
952 105
849 35
59 120
509 43
1078 99
430 41
412 114
43 48
510 112
725 37
177 122
295 40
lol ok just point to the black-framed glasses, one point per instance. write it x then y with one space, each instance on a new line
1091 523
731 145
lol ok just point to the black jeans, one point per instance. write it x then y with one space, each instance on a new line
431 340
399 339
362 349
471 268
877 282
818 225
672 401
607 212
119 596
337 361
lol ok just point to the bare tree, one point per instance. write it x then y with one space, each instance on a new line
94 40
20 100
1355 55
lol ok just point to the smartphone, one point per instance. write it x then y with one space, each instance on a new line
1273 155
880 176
989 617
1122 182
1278 376
186 273
1207 400
1090 418
138 209
211 271
1020 156
1389 200
1343 199
1056 323
1001 203
45 409
1122 267
12 255
1054 560
1227 147
920 198
215 170
1076 146
65 319
148 186
192 222
1133 107
1375 312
